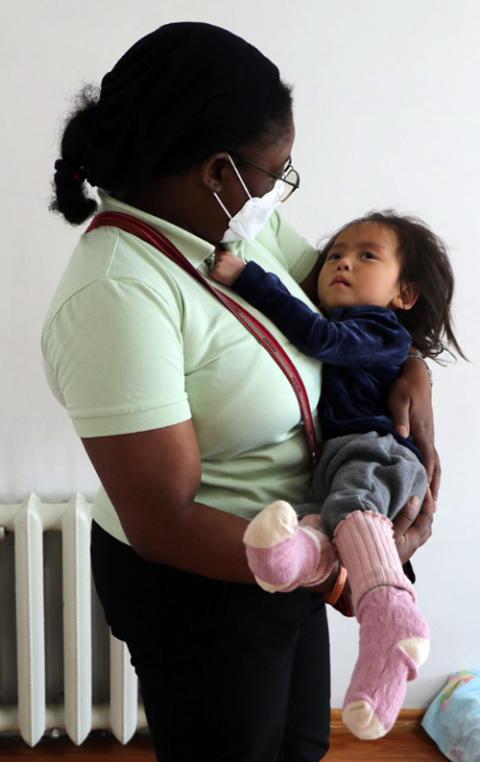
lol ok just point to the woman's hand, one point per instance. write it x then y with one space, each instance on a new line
227 267
413 526
410 402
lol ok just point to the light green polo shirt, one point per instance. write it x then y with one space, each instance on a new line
131 342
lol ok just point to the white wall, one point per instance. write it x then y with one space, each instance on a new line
387 115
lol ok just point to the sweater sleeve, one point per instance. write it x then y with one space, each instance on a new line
365 336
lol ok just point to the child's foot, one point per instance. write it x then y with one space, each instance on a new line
284 553
394 642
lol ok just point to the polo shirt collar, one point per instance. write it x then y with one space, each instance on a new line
195 249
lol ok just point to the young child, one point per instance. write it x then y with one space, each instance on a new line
386 285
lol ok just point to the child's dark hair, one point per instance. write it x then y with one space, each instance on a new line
425 262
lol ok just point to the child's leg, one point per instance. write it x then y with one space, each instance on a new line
394 636
284 551
373 476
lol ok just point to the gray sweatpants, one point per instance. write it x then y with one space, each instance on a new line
363 472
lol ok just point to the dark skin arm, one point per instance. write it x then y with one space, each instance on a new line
151 478
411 407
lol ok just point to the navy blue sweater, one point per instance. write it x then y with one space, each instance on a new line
363 349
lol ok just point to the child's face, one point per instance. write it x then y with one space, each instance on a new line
362 267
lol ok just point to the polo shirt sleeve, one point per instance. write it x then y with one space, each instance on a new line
114 358
300 256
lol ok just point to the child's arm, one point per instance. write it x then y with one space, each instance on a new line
372 337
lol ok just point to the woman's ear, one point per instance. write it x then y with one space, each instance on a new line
407 296
213 171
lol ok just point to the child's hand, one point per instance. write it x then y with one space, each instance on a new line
227 267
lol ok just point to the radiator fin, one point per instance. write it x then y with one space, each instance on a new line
30 621
77 620
76 715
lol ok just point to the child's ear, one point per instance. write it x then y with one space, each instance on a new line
407 296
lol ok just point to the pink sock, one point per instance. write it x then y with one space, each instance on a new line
284 553
394 636
367 549
394 642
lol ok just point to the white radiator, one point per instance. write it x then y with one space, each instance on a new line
27 604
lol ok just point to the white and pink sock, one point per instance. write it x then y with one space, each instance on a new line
394 636
284 553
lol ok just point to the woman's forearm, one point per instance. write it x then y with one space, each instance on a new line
152 479
410 402
198 539
411 406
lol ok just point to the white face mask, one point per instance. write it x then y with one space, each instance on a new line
253 215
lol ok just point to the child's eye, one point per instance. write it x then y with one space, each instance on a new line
368 255
333 255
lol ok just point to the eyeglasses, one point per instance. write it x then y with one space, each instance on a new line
289 176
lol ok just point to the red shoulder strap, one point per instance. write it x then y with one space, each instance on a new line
155 238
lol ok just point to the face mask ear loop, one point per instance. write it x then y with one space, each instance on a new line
239 176
222 205
243 186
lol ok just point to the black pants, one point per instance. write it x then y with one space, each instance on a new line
228 672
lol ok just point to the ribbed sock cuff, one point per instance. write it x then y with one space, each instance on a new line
367 549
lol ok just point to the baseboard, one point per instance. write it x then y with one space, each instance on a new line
408 721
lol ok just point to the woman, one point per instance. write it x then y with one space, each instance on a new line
188 445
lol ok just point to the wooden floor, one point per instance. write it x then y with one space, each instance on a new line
393 748
401 747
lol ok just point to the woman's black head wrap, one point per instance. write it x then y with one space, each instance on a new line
188 89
